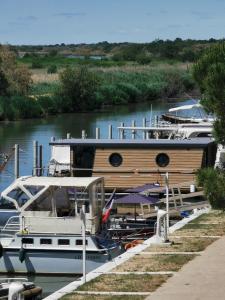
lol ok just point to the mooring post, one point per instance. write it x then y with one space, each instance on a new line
133 130
35 157
144 125
97 133
68 135
16 166
121 132
83 134
83 217
40 170
110 132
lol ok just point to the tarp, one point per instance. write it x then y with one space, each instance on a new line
183 107
143 188
137 199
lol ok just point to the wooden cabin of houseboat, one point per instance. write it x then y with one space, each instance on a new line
128 163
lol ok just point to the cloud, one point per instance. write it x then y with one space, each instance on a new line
201 14
69 15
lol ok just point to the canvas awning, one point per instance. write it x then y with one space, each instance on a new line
137 199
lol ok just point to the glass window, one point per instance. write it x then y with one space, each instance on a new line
162 160
80 242
115 159
34 189
18 195
43 203
27 240
6 204
45 241
63 242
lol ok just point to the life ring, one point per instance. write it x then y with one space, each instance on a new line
133 244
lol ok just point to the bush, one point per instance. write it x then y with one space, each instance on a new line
213 183
52 69
36 64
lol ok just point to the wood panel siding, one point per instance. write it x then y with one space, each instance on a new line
139 166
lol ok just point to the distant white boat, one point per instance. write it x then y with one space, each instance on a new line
200 117
46 235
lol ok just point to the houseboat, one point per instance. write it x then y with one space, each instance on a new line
46 237
128 163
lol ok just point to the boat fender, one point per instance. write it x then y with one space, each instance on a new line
133 244
1 250
22 254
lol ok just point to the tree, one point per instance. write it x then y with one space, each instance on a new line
16 79
78 88
209 72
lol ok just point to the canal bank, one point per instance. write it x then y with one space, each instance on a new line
125 275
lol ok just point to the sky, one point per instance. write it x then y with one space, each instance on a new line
90 21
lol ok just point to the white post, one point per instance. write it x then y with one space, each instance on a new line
121 136
97 133
83 217
83 134
167 202
68 135
16 167
110 131
133 132
144 125
35 158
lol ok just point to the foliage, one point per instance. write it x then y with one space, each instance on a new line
209 72
36 64
15 79
52 69
78 88
213 183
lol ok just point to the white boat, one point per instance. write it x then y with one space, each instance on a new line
18 289
196 114
46 236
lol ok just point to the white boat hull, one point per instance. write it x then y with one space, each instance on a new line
52 262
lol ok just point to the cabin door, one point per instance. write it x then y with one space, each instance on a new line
83 161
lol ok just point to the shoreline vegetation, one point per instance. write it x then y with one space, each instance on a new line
37 81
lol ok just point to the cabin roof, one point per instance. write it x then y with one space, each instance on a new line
126 143
57 181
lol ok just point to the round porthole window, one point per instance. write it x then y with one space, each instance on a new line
115 159
162 160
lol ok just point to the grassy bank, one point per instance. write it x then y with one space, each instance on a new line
116 86
194 237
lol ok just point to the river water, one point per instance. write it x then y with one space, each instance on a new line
25 131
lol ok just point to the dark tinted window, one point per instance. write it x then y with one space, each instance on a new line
115 159
63 242
162 160
80 242
45 241
27 240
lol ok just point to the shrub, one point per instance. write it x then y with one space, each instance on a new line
213 183
36 64
52 69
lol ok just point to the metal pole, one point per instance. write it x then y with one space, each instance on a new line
133 131
144 132
35 157
68 135
83 216
110 131
16 172
40 161
83 134
97 133
167 202
122 131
